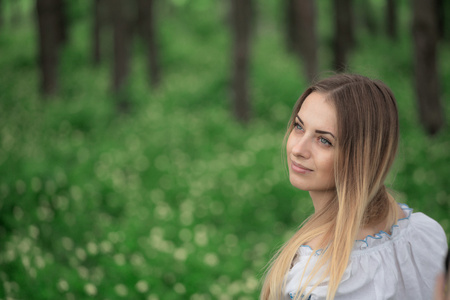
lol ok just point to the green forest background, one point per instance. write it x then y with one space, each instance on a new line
175 199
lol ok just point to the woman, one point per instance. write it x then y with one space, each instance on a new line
359 243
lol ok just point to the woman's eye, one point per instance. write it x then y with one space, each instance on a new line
298 126
325 141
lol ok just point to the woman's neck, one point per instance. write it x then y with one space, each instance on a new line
321 198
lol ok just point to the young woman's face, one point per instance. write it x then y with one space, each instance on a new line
311 146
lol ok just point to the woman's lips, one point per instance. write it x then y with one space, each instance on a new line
298 168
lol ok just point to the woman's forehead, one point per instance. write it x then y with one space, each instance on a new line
318 111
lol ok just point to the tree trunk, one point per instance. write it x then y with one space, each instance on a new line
62 22
241 26
343 37
391 19
292 34
305 13
122 42
147 23
47 15
1 15
425 31
440 11
96 32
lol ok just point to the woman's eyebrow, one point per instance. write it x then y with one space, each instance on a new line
317 131
325 132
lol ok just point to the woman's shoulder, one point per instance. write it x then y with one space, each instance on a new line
427 233
414 228
424 224
398 264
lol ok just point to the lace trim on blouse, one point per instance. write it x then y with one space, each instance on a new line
369 241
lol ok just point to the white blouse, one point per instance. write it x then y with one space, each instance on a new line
403 265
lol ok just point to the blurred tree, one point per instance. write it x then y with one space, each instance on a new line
96 30
440 16
99 22
391 19
241 13
49 41
62 22
425 32
291 26
441 10
343 33
122 28
368 16
146 24
1 14
302 34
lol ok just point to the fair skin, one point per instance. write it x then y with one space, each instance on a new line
310 149
440 292
310 154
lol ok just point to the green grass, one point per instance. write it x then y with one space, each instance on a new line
174 200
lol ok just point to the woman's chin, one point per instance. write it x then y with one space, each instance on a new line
295 183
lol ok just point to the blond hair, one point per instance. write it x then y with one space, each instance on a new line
367 139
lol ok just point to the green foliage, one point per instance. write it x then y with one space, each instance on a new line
174 200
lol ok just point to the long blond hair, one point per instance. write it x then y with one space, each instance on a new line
367 139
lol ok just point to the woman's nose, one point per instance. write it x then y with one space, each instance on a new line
302 147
